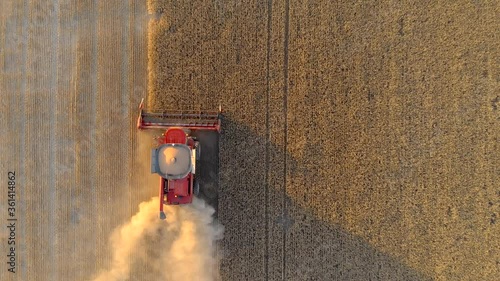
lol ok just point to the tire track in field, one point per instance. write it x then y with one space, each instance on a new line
285 141
65 140
112 189
23 146
83 111
141 189
13 28
54 236
40 127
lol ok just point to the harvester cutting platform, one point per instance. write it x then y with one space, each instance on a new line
178 150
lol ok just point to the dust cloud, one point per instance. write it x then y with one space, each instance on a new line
182 247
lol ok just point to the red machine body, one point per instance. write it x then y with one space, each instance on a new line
177 191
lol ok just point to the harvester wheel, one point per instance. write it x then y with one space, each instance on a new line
210 190
196 188
198 150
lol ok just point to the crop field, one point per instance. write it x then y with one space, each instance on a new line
360 140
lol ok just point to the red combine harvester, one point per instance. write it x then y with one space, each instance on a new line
177 151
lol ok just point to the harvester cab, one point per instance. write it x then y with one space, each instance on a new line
175 156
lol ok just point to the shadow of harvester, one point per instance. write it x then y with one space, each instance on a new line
207 166
269 236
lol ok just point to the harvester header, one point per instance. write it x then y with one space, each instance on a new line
188 119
